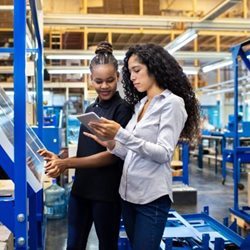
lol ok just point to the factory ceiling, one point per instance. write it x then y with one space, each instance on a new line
219 23
81 24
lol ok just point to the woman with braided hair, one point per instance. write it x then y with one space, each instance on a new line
94 197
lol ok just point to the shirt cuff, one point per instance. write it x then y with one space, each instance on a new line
118 150
122 136
120 139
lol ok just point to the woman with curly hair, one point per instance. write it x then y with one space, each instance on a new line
165 109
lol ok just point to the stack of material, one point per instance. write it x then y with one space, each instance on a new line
176 168
176 163
6 238
6 188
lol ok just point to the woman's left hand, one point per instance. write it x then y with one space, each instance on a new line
105 129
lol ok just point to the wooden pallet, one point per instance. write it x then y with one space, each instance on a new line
240 222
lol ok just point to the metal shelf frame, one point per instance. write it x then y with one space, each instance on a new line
23 214
185 161
239 152
200 231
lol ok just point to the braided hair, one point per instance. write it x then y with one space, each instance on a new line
104 55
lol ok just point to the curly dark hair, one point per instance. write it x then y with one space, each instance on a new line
168 75
104 55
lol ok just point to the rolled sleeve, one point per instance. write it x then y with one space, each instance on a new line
172 122
120 150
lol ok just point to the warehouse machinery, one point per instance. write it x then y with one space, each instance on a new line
200 231
22 213
238 154
195 231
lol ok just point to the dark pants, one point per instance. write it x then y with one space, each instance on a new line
145 224
81 215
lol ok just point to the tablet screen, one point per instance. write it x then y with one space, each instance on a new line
86 118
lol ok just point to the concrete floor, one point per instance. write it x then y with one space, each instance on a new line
210 192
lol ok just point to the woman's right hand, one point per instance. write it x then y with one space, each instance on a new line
55 167
107 144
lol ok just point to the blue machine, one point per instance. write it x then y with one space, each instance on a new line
73 128
52 128
73 108
243 127
52 138
195 231
201 232
185 161
213 114
52 116
24 219
239 154
243 137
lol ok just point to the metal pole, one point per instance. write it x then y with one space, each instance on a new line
20 213
236 136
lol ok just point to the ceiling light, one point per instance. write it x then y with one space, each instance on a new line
226 24
78 54
228 90
108 20
220 84
244 94
191 70
65 54
68 70
181 40
85 70
220 91
68 57
61 70
216 65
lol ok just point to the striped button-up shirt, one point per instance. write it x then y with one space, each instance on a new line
147 148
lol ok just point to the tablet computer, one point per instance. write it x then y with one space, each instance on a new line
86 118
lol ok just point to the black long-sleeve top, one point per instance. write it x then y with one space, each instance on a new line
100 183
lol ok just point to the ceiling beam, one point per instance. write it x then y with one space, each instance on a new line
223 24
219 9
119 54
146 21
108 20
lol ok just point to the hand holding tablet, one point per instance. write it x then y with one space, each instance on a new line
86 118
103 128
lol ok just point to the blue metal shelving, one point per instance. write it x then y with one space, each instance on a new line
23 218
200 231
239 153
185 161
197 231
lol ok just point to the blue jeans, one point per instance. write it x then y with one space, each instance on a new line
83 213
145 224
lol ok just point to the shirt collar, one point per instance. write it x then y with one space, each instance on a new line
164 94
107 103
